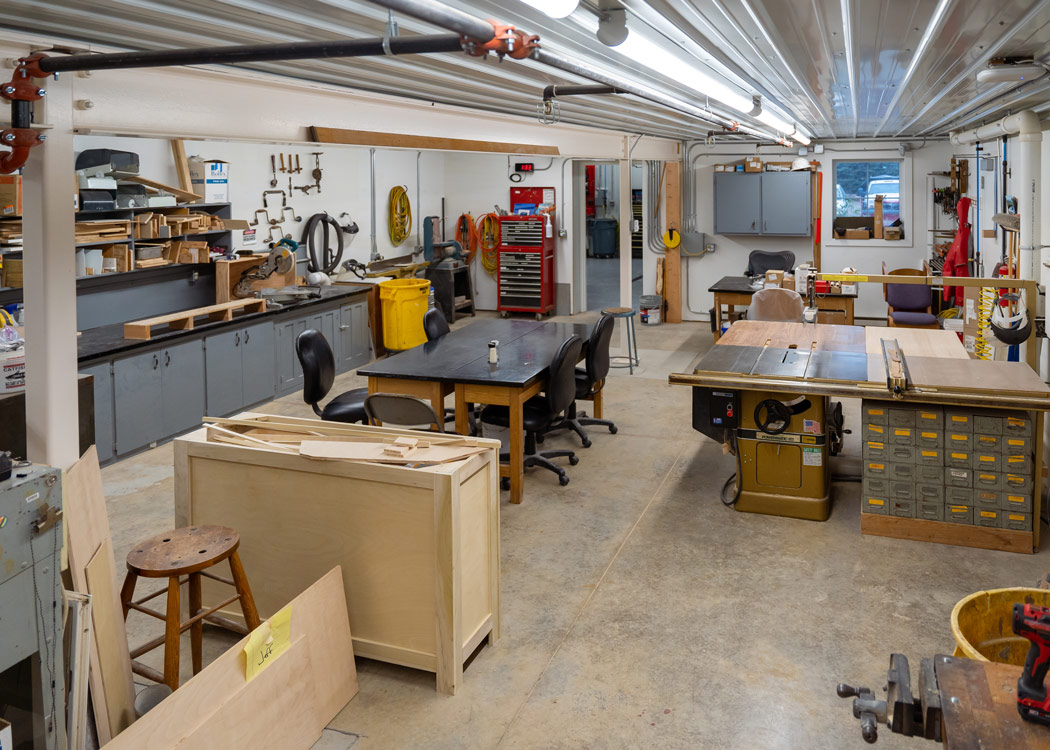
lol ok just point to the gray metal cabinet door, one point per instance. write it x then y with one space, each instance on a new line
786 203
257 359
138 415
327 322
362 338
738 202
182 385
343 346
289 373
223 373
104 435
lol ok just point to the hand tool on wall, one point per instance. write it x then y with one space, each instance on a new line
900 712
305 188
255 222
316 173
273 171
282 164
1033 698
288 213
298 167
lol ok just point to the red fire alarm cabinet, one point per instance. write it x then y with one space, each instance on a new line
526 264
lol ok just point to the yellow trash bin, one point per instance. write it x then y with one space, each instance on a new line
982 624
404 304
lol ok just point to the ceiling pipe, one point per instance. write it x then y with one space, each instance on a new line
1025 125
554 90
444 16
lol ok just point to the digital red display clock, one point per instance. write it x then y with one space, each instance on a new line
524 166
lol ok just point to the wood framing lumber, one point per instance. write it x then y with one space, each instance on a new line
182 167
183 195
672 256
404 140
183 321
285 706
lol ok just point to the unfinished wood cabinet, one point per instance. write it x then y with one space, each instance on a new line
419 547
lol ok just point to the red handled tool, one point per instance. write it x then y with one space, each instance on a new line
1033 699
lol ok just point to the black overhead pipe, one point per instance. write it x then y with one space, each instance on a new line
555 90
394 45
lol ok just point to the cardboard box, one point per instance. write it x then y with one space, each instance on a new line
121 257
752 164
11 195
720 167
778 166
210 179
857 234
891 233
13 371
878 217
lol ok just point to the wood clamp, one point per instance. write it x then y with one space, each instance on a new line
896 368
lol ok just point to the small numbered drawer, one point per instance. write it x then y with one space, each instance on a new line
1017 445
987 443
958 477
873 412
1017 483
929 418
929 511
958 459
878 505
929 438
900 417
986 499
901 472
876 469
1012 503
875 451
958 441
958 514
987 480
1015 521
1017 424
902 490
929 457
929 474
901 454
985 517
1018 464
958 420
929 493
987 461
900 435
958 496
902 508
875 432
876 487
988 424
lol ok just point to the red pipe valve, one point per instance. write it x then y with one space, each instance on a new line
506 41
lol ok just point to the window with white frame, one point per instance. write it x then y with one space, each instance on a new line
859 181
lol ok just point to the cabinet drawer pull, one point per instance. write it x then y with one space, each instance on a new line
237 339
156 361
246 337
167 358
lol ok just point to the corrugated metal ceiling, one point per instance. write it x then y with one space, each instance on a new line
842 68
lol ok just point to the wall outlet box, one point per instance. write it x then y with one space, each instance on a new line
818 149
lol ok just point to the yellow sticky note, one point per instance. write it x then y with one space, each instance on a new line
267 642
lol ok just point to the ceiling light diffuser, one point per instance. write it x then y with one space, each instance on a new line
553 8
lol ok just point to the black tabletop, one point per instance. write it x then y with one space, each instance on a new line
742 285
461 356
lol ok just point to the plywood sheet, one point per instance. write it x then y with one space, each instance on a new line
919 342
87 535
375 452
801 335
985 714
286 706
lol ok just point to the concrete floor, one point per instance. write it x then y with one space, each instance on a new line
640 612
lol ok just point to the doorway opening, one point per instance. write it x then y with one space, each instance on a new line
601 247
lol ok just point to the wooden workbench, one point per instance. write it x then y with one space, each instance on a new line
736 291
943 374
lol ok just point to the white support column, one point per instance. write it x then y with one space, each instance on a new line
624 212
50 294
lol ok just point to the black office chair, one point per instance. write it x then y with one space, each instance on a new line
318 363
590 379
435 324
760 261
397 409
539 412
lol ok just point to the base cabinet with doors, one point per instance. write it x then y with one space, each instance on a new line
149 396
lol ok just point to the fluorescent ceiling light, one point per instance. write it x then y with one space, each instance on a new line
1010 72
645 52
553 8
800 135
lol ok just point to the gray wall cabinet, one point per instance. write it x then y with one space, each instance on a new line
239 368
768 203
104 433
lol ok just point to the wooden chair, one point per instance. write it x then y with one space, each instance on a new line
910 305
189 552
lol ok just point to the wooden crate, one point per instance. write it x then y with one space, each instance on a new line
419 547
11 273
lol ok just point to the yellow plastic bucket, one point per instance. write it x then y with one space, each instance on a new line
982 624
404 304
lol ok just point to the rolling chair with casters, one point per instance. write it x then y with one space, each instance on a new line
435 325
760 261
540 412
397 409
589 381
318 363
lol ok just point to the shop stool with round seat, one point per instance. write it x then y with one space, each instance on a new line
631 359
188 552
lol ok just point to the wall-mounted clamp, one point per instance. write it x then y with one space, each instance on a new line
21 92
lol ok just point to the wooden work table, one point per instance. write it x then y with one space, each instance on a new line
847 362
736 291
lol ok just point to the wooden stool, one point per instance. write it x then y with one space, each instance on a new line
631 360
188 551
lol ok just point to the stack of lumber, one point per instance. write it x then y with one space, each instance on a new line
182 221
11 233
102 229
11 273
184 321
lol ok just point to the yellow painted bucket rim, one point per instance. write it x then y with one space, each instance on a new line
962 643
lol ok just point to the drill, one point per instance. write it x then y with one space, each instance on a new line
1033 699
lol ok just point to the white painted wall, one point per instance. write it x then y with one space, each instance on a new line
730 258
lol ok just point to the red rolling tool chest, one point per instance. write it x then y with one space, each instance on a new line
526 265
